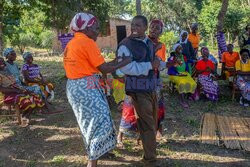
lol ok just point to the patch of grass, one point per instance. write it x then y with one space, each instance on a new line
1 163
4 120
128 145
177 164
31 163
58 160
193 122
117 153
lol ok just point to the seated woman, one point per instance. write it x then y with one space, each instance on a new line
228 60
33 76
178 74
205 69
12 69
205 50
14 94
243 76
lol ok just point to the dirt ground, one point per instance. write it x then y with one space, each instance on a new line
55 140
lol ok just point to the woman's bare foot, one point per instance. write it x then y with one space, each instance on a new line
25 122
119 140
158 135
138 141
92 163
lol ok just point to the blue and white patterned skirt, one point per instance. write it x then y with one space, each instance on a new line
92 112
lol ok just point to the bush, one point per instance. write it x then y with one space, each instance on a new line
169 39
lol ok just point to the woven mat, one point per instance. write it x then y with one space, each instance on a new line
232 132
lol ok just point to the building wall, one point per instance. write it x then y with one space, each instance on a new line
110 42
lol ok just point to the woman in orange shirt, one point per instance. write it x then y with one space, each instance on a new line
194 37
228 60
82 63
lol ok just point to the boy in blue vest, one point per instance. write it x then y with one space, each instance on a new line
140 83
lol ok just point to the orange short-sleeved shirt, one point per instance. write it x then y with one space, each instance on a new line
161 53
194 39
202 65
81 57
230 59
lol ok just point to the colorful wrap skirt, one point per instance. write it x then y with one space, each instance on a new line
244 86
129 116
209 87
184 84
92 112
47 90
24 102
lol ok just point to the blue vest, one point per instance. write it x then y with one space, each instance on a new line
142 52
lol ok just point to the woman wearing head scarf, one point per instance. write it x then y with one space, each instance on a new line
33 76
83 62
156 28
205 50
178 74
13 69
14 94
242 67
187 50
205 69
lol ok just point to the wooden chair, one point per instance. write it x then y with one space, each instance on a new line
12 111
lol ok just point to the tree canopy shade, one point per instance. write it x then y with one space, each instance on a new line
24 20
56 14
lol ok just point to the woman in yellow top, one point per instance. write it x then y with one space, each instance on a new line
82 63
243 76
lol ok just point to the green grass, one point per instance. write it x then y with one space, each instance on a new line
57 160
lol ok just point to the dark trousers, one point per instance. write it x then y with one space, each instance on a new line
146 108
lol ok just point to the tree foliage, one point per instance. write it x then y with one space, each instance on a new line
30 23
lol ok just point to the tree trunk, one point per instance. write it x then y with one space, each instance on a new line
221 15
1 26
212 39
138 7
56 46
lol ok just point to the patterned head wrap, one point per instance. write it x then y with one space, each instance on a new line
176 46
26 54
203 48
82 20
7 51
194 25
157 21
183 32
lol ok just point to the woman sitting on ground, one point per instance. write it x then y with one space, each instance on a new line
16 95
12 69
243 76
206 70
33 76
178 74
228 60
